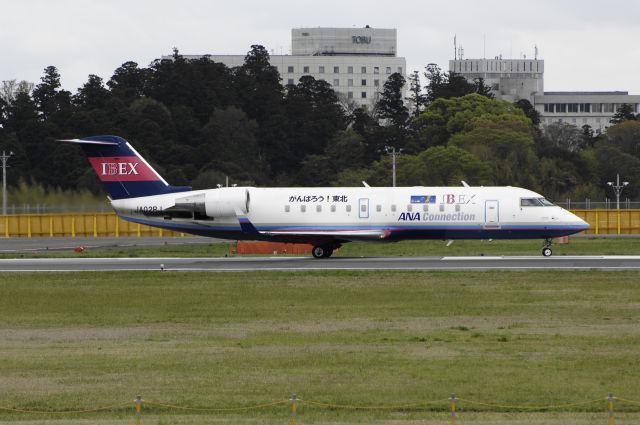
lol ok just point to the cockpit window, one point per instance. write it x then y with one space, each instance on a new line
535 202
530 202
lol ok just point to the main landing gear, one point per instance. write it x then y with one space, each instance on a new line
546 250
323 251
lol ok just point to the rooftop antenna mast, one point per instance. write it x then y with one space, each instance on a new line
535 50
484 46
455 48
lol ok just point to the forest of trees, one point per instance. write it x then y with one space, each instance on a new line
199 121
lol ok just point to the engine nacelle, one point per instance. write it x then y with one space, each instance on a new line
225 201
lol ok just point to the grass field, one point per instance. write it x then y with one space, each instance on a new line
577 246
86 340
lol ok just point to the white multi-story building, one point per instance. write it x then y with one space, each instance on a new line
594 109
515 79
355 61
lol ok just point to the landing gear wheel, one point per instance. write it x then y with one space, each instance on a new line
546 250
321 252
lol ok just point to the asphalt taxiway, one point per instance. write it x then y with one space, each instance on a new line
258 264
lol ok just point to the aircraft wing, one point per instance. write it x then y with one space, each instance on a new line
345 234
354 234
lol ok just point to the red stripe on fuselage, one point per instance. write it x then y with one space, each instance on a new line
122 169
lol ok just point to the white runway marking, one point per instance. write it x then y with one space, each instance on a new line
265 264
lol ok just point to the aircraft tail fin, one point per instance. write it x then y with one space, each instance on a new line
124 173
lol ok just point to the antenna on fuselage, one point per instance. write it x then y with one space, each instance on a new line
365 184
464 183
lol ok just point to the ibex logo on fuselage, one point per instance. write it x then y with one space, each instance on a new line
119 168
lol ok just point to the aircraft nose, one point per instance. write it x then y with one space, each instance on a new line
580 223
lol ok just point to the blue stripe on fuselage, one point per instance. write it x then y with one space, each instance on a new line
396 232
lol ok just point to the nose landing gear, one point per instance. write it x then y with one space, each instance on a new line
546 250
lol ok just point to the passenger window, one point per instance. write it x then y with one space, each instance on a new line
333 208
287 208
348 208
409 207
318 208
378 208
303 208
441 207
457 207
393 208
425 207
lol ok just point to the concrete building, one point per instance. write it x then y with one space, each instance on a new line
355 61
583 108
515 79
509 79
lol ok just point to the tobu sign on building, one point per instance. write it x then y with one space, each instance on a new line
361 39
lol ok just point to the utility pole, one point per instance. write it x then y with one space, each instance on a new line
391 150
617 188
5 157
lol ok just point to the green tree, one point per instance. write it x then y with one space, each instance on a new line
505 141
445 85
128 82
448 166
390 106
612 161
92 95
529 110
482 89
346 150
314 115
626 136
624 113
446 117
232 138
563 135
417 99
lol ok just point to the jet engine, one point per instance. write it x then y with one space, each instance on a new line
215 203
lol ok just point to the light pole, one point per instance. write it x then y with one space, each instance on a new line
617 188
391 150
5 157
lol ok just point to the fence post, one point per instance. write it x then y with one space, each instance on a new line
117 226
452 399
6 226
294 409
610 408
29 226
50 226
95 226
138 402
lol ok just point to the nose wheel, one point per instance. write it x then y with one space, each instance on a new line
546 250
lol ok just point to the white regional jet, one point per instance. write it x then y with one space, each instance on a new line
325 217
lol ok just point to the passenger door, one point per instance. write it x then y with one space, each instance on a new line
363 207
491 214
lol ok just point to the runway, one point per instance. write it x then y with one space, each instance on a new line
266 264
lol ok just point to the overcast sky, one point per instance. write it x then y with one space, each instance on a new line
587 45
